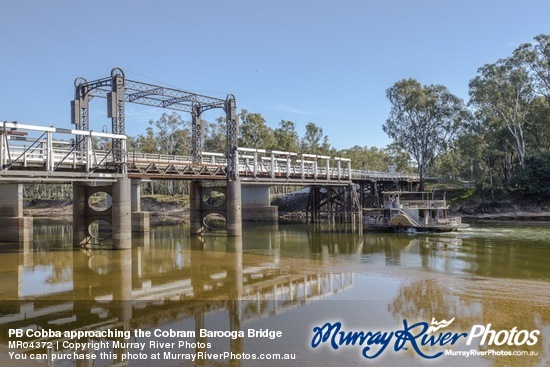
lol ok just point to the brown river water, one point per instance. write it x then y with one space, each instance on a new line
271 294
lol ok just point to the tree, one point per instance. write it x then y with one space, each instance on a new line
535 174
146 143
215 136
504 92
286 137
423 120
313 141
172 134
254 133
536 58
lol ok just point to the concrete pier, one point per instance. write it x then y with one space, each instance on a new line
140 220
195 213
122 215
234 216
256 204
15 227
117 215
230 209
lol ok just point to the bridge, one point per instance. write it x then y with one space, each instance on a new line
242 176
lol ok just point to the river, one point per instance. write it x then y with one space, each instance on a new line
280 283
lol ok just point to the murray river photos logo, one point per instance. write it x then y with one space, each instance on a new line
418 337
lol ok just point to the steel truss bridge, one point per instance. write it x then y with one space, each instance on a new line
30 153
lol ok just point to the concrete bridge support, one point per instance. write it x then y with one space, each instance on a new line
111 222
140 220
256 204
15 227
204 201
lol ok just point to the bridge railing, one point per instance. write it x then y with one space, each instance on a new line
48 148
357 174
280 165
52 149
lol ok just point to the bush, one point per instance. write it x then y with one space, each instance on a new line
535 175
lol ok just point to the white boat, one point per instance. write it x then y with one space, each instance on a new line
411 210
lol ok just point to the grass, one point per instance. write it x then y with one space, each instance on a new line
168 199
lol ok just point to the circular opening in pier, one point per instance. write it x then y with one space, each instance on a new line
100 201
214 198
100 230
215 222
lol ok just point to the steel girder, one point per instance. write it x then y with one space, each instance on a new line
118 90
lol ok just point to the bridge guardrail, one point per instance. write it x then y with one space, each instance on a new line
43 148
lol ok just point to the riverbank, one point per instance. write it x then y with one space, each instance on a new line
162 209
503 206
175 209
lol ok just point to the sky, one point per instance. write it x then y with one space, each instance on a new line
327 62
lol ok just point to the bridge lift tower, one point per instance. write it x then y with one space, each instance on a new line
118 90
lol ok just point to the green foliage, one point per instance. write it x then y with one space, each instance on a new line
535 174
314 142
254 133
215 137
286 137
374 159
423 120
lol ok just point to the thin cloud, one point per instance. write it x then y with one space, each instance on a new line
296 111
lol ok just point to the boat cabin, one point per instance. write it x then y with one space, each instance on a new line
403 209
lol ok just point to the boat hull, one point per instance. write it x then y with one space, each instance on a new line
400 229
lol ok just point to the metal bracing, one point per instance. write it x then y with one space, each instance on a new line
231 134
196 134
115 110
118 90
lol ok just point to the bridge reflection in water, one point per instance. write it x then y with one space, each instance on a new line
166 279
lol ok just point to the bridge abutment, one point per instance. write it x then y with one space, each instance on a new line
140 220
15 227
256 204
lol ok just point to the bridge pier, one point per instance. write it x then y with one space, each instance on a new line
15 227
140 220
203 202
256 204
96 225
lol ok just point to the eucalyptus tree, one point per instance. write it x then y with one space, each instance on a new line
504 93
314 141
254 132
172 134
215 136
536 57
286 137
423 121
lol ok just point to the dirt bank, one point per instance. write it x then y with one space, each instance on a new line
173 210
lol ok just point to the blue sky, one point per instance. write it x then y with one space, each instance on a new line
328 62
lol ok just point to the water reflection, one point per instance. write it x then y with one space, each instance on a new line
169 279
166 278
483 302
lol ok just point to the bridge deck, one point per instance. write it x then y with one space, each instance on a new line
38 153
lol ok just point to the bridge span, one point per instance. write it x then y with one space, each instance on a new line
241 176
48 154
